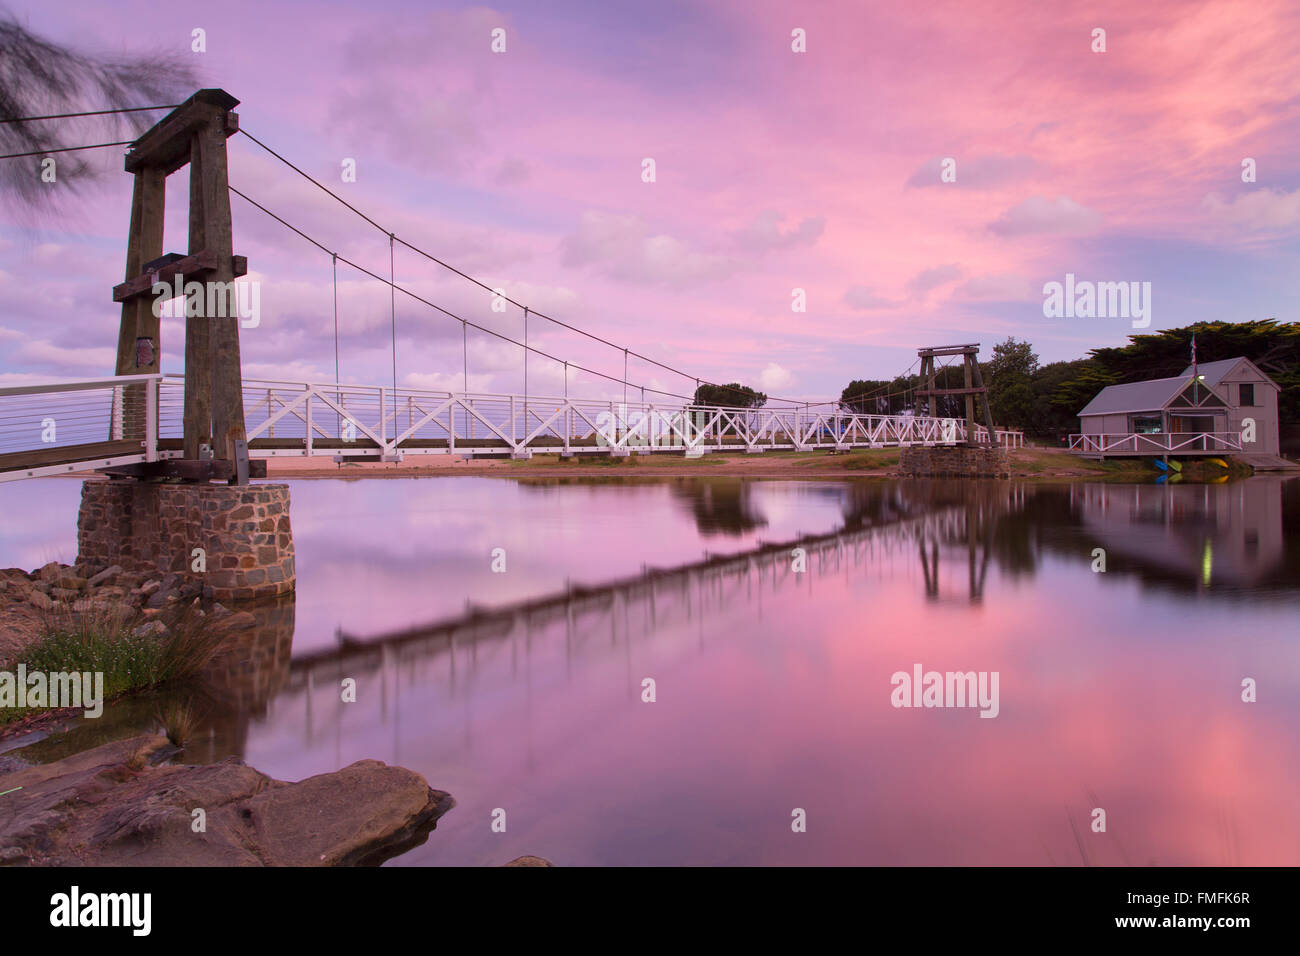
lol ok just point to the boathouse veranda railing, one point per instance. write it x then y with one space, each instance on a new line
1156 443
63 427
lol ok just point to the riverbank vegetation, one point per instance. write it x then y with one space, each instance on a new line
135 651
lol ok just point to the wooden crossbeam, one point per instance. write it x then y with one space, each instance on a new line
949 350
167 145
197 267
207 469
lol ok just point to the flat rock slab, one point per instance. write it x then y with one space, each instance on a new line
122 805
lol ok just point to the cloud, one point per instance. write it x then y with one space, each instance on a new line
86 361
1262 209
623 248
764 233
977 172
1003 287
513 171
930 279
861 297
1039 215
774 378
447 126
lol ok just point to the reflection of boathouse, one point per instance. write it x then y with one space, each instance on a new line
1223 533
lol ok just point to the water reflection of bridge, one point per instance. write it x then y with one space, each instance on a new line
1160 533
938 521
445 655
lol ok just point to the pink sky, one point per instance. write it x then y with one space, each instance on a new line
776 170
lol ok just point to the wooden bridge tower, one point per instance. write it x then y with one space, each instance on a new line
193 134
974 387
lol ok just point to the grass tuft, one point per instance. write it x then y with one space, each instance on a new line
177 721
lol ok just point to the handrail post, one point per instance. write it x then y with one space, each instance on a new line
115 423
151 420
310 395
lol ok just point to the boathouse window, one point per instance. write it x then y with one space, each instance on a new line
1147 424
1247 395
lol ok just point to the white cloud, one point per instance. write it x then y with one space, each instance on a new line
624 248
81 361
764 234
1261 209
1002 287
976 172
861 297
774 378
930 279
1039 215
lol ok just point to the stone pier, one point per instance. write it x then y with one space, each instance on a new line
958 461
241 532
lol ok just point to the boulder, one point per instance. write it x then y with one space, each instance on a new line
154 628
529 861
123 804
106 576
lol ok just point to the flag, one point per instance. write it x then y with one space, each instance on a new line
1193 353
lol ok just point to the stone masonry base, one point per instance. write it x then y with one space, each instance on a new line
242 531
974 461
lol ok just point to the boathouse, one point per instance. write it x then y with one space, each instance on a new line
1219 408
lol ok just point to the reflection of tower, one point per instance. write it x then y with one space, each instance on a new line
972 525
930 568
249 669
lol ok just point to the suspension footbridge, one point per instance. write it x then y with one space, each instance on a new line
212 423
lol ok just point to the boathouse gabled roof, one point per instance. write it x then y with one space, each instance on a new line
1149 396
1214 372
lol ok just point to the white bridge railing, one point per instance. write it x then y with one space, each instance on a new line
55 428
305 419
69 426
1155 443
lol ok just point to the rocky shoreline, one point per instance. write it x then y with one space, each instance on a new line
125 803
27 599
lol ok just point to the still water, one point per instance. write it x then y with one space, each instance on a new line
522 690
